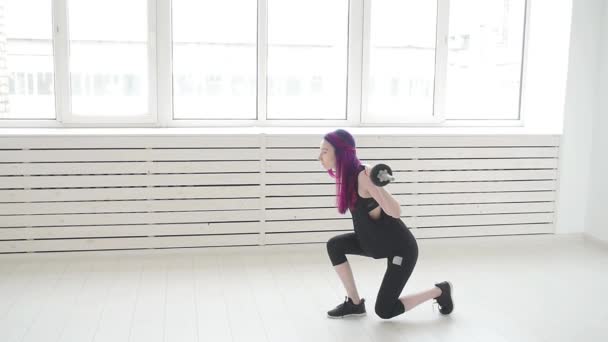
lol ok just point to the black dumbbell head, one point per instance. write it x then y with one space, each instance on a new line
381 175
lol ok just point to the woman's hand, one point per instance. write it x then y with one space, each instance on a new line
388 203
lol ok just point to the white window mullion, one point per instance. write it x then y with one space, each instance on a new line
524 68
152 62
355 61
441 60
262 61
61 61
365 54
164 66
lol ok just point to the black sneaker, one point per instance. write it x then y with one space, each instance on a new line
348 308
445 301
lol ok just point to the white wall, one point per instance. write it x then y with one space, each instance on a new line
546 67
581 104
597 210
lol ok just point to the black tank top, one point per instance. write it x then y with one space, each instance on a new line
381 238
368 203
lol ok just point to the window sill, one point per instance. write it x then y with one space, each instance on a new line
443 130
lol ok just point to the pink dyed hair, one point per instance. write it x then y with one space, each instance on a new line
347 168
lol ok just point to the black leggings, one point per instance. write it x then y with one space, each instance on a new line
400 266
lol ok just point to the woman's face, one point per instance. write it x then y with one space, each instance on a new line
327 155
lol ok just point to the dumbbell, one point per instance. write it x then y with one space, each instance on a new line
382 175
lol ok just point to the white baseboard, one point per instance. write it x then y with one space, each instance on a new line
595 240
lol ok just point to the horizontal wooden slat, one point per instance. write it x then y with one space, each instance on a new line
515 229
423 152
272 140
420 188
477 220
128 218
481 197
478 186
478 164
477 209
129 230
304 237
457 198
409 211
127 180
128 155
100 194
158 140
304 214
448 164
128 206
443 140
324 236
84 168
414 222
419 176
473 176
129 243
308 225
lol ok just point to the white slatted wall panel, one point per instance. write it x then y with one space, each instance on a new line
448 185
129 192
87 193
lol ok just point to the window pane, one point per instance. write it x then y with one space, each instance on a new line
307 59
484 59
401 60
109 57
214 59
26 60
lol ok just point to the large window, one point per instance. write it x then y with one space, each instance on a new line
108 58
260 62
214 59
401 66
307 59
485 59
26 60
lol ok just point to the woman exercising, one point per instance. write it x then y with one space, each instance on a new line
378 233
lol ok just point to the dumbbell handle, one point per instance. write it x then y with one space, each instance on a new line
383 176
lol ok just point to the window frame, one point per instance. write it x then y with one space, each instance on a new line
160 92
65 116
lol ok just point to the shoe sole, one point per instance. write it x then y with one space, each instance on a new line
345 316
451 295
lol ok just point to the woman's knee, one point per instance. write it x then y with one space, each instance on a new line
389 310
332 243
383 313
335 250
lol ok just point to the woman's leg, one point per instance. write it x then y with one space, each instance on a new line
346 276
398 271
411 301
337 248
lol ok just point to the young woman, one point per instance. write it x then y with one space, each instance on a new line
378 233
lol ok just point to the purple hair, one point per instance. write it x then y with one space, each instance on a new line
347 169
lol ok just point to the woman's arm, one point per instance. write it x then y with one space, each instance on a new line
388 203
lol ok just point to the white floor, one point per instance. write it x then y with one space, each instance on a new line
520 288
